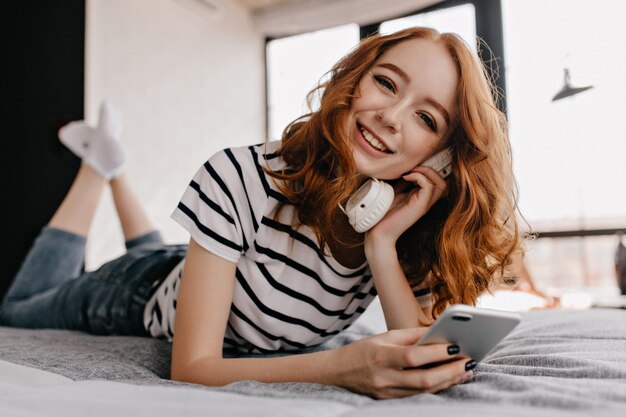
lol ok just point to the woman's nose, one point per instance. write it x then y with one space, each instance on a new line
391 117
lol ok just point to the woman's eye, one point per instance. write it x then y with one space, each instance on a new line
385 83
429 121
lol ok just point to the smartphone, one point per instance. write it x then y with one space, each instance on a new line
475 330
369 204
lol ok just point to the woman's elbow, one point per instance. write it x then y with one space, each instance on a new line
179 373
183 371
198 372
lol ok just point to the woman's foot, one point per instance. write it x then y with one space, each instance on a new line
98 147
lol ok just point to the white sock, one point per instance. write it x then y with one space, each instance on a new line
98 147
77 137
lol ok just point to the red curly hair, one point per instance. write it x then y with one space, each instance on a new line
462 246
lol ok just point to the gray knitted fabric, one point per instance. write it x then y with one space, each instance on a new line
554 362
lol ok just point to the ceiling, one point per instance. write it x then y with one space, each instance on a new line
277 18
255 5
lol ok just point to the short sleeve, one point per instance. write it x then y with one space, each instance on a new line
209 210
423 295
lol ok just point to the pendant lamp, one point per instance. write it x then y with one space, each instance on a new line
567 90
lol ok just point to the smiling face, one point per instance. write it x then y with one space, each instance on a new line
404 108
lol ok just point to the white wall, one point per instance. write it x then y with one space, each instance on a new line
187 85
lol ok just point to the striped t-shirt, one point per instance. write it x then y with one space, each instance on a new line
289 294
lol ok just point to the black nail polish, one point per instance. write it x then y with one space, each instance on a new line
453 349
470 365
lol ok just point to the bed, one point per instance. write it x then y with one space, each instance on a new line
554 363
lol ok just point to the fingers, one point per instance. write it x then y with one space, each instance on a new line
405 362
429 183
395 392
413 356
405 337
391 365
393 383
433 379
399 392
465 377
432 175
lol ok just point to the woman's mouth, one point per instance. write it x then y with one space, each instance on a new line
372 141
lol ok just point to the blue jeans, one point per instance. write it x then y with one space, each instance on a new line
49 290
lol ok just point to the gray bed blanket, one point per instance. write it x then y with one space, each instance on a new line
553 363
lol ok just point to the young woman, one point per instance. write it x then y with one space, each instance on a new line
272 265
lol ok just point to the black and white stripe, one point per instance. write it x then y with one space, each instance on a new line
289 294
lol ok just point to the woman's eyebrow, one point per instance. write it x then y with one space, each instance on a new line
405 77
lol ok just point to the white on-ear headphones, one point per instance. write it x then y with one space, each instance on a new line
369 204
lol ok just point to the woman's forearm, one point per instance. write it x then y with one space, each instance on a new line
317 367
381 366
399 305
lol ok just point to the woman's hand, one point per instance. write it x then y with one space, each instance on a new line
383 366
410 205
400 307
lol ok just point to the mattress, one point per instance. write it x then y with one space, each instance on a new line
554 363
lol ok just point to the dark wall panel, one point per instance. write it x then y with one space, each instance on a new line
44 45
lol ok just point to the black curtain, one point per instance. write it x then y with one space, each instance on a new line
44 53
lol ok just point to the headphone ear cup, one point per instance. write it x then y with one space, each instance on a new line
369 204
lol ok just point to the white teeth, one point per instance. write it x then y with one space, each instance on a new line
373 141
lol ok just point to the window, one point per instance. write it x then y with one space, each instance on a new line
458 19
568 154
294 67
